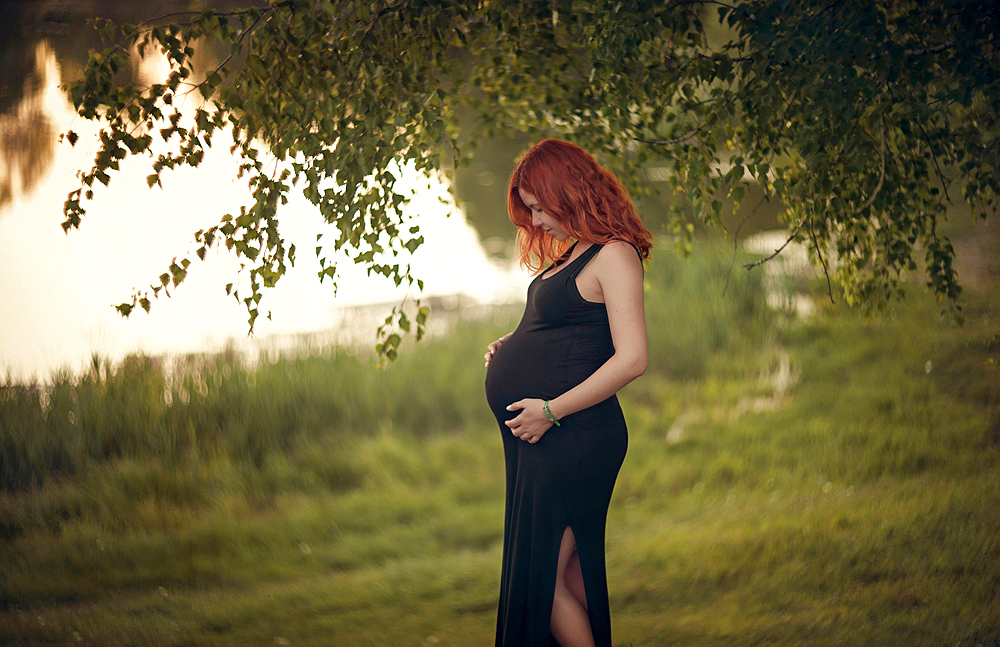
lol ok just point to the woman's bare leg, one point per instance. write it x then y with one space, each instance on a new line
570 623
574 579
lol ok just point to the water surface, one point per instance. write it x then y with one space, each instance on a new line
59 290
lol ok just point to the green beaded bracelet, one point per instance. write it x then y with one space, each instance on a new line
548 414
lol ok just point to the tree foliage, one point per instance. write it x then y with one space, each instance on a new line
866 120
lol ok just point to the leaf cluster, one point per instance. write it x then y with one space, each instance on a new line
333 98
866 121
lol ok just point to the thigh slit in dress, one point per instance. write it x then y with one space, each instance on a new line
566 478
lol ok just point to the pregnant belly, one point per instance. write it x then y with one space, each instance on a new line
523 367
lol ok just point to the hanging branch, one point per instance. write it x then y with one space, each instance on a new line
736 239
881 179
670 142
766 197
819 254
791 237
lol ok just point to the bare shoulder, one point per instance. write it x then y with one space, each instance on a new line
617 258
614 270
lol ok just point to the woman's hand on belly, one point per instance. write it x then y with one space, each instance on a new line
531 424
492 348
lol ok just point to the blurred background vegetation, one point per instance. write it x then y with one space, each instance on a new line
826 480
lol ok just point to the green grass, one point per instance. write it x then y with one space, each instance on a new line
830 482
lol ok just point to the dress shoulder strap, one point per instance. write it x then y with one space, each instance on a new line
584 258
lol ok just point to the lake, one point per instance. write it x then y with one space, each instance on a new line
59 289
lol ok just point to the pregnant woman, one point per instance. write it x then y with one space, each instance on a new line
551 385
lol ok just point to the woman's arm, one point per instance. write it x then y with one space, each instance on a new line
619 273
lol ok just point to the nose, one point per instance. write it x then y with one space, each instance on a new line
536 219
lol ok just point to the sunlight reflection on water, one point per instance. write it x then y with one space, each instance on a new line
59 290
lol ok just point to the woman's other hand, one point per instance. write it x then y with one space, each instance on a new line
532 423
492 348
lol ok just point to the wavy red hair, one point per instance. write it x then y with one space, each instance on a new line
587 200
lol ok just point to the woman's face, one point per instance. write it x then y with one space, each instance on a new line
541 219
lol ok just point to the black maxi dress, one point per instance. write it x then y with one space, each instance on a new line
566 478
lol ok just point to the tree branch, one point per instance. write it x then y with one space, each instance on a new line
670 142
736 239
937 166
928 50
819 254
146 23
691 2
239 41
383 9
752 56
763 198
881 179
791 237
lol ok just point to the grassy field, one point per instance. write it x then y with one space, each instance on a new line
823 482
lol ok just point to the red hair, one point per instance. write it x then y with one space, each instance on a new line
587 200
